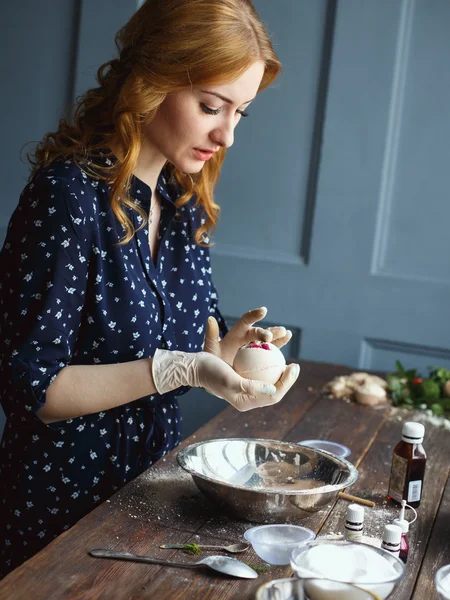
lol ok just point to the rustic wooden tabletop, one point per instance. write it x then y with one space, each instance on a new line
163 506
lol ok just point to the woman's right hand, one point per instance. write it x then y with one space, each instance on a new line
172 369
217 377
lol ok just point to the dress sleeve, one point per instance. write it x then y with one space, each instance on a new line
214 297
215 312
45 261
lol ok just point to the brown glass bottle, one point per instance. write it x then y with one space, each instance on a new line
408 466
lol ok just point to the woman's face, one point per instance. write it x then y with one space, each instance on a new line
190 126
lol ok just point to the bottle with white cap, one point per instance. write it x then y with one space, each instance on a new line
408 466
392 536
404 526
354 521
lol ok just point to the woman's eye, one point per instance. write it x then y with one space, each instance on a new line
209 111
215 111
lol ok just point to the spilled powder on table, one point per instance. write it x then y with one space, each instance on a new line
366 539
374 521
398 413
167 494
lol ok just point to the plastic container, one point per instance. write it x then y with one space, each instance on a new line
404 526
354 523
381 587
442 582
332 447
310 589
274 543
392 537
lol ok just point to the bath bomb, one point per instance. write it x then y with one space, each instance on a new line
260 360
370 394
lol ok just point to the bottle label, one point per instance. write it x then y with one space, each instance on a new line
398 478
414 491
353 536
393 549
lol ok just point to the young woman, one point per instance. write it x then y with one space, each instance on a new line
109 311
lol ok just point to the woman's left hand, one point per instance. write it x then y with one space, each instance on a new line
242 333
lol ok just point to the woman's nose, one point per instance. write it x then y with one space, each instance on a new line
224 135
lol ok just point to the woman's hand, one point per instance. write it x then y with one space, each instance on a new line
218 378
242 333
172 369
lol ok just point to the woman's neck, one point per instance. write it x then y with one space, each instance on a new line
149 165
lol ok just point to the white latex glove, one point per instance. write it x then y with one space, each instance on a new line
172 369
242 333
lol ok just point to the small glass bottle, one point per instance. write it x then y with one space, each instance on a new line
408 466
391 539
404 526
354 521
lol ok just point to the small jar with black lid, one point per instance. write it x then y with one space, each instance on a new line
354 522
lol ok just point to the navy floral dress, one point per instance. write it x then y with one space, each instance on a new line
70 295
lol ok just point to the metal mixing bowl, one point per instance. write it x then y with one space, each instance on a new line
266 481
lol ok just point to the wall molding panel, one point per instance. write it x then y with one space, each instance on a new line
389 170
377 354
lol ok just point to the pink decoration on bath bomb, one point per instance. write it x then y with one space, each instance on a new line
260 360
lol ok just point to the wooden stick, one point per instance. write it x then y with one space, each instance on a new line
356 499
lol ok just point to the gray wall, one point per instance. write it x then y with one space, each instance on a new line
334 198
347 242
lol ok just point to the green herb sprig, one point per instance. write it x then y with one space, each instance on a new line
409 389
259 569
191 549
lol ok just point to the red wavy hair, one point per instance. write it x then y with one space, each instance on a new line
166 46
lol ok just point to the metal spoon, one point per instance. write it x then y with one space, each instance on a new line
222 564
233 548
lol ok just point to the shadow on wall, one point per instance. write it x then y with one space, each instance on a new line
197 408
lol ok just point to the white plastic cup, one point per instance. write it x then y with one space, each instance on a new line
442 582
274 543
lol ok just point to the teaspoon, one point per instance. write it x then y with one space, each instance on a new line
222 564
232 548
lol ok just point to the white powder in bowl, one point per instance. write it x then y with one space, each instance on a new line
352 564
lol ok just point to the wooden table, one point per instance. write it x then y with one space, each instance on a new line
164 506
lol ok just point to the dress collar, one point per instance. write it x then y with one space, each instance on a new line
140 192
166 186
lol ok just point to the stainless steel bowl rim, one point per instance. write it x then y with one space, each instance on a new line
352 475
330 442
317 542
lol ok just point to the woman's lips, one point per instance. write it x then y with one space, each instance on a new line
203 154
